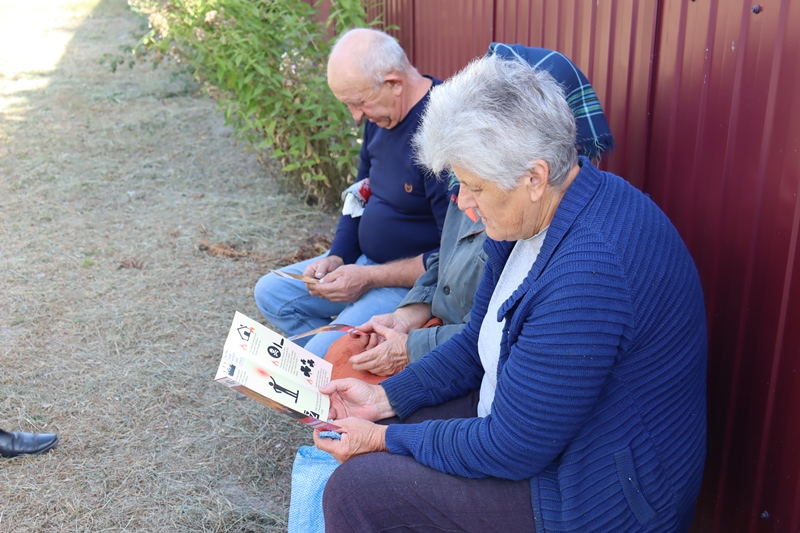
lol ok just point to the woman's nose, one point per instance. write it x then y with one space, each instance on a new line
465 199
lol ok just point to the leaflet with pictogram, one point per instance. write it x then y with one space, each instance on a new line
268 367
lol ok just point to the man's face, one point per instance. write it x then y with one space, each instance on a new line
380 106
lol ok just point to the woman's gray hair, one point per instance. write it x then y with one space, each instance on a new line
494 118
380 54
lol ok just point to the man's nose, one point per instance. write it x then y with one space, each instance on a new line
356 112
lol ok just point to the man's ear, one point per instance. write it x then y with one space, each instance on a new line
395 81
537 179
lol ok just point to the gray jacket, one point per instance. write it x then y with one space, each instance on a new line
450 281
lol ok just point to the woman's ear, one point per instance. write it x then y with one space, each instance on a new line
537 179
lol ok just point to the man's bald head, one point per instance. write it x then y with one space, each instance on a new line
369 72
363 54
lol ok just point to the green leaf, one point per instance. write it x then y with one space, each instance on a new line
265 63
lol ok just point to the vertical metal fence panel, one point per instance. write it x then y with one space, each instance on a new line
400 14
724 164
449 33
440 37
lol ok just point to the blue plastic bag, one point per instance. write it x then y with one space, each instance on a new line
310 472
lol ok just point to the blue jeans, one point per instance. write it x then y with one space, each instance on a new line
287 305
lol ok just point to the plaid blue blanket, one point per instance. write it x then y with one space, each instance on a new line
593 136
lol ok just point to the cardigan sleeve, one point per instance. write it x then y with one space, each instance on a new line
569 335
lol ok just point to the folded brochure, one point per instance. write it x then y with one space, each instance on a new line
273 370
342 328
298 277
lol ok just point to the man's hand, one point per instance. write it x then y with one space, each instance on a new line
386 352
347 283
353 397
319 269
402 320
389 357
358 436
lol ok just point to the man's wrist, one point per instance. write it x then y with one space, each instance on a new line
414 315
371 276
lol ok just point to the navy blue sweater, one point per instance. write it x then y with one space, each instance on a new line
405 212
600 397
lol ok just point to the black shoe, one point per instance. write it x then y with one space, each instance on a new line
19 443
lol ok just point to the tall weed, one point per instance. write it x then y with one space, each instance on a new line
265 62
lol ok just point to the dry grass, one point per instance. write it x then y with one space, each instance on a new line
112 315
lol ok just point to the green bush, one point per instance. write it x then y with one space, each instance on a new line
265 62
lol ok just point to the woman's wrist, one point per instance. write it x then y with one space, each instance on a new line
379 438
383 405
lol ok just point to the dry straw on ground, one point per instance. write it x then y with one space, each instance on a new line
112 316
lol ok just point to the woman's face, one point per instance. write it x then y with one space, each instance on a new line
508 215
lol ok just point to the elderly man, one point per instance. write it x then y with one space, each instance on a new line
376 255
14 443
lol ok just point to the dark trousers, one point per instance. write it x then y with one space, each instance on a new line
378 492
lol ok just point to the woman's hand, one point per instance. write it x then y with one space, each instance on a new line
358 436
355 398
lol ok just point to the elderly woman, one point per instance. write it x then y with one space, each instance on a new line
574 399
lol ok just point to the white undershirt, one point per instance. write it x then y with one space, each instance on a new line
514 272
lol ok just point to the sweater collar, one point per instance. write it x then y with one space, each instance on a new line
578 195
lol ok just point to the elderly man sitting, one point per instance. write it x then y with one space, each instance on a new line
375 256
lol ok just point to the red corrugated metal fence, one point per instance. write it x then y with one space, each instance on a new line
700 96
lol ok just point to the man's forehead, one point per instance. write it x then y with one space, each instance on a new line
349 87
345 67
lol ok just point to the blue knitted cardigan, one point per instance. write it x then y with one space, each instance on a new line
600 397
